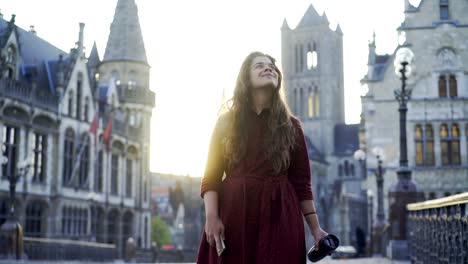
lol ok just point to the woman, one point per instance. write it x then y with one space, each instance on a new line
257 209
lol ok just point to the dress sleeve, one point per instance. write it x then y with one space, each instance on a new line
299 169
214 169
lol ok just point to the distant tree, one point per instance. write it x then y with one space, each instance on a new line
176 196
160 231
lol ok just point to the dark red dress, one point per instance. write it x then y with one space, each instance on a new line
260 210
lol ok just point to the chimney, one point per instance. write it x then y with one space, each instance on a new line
32 30
80 38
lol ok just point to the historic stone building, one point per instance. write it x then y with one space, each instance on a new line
81 126
312 62
437 127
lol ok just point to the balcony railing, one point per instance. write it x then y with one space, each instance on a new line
438 230
136 95
24 92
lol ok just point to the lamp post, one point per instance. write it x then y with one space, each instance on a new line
11 230
404 191
379 221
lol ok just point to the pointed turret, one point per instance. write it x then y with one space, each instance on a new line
325 18
125 39
285 25
372 46
338 29
93 59
310 18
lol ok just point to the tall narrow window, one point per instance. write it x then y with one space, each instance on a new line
346 168
444 144
70 103
295 102
128 181
453 86
84 161
429 149
132 80
444 9
301 55
68 155
418 141
310 103
34 214
301 103
340 170
10 144
79 91
114 174
99 172
317 102
442 86
39 157
455 145
86 110
296 56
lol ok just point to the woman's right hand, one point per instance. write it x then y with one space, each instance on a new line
214 230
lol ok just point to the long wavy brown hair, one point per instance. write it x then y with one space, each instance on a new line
280 137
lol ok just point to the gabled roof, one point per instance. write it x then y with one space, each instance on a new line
312 18
125 39
37 55
346 139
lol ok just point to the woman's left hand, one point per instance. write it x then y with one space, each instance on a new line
318 234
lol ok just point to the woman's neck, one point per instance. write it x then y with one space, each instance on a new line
261 99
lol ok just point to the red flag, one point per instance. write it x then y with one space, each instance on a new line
94 125
107 134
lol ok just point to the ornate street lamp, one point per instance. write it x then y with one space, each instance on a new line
11 231
404 191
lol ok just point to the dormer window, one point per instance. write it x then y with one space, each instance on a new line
444 9
11 55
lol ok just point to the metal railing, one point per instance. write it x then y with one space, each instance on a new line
438 230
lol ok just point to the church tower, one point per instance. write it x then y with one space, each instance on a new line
312 61
123 82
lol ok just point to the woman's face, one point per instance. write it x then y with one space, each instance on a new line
263 73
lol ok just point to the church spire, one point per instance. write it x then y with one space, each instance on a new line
125 39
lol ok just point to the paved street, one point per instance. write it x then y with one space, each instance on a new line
325 261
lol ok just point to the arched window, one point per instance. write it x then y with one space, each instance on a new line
86 109
84 153
68 155
296 53
453 86
98 178
444 9
39 157
34 215
11 62
418 141
301 57
450 144
312 57
79 91
351 168
10 145
129 178
70 103
340 170
455 145
448 86
295 102
346 168
317 102
429 148
114 174
116 76
310 102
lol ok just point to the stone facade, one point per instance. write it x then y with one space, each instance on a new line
437 127
81 185
312 62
